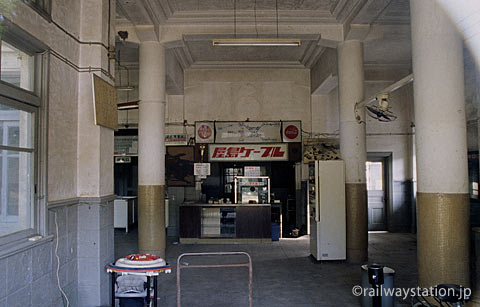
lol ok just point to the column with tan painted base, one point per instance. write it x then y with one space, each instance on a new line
151 149
441 147
353 147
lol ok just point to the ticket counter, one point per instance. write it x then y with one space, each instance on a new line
225 223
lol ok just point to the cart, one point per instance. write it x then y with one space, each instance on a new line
149 272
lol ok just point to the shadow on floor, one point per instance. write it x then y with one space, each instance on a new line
283 272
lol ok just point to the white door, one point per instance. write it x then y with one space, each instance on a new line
376 195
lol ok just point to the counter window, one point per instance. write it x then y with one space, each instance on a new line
252 190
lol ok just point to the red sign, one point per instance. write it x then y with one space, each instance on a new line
204 132
291 132
250 152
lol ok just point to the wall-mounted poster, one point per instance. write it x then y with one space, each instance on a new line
201 169
252 171
179 166
321 149
126 145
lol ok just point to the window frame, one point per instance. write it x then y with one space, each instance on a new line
35 103
42 11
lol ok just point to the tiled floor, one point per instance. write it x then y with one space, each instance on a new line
283 273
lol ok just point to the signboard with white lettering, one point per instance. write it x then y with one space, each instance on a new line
248 132
248 152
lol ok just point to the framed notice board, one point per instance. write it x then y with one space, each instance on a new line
179 166
104 103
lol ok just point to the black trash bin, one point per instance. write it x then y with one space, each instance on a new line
389 278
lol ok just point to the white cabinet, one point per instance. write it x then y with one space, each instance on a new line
327 210
124 212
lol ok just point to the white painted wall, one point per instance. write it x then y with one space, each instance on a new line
64 96
381 137
62 136
325 115
393 136
254 94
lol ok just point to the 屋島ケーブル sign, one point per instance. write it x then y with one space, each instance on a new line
248 152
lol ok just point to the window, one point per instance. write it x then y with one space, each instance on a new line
16 169
17 67
41 6
20 109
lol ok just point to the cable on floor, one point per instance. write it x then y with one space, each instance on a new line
64 296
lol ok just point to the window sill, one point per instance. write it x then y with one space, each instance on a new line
22 245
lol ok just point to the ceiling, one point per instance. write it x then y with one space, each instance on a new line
311 11
387 43
188 5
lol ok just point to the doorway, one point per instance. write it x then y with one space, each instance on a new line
377 172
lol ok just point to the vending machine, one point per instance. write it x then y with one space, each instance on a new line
326 206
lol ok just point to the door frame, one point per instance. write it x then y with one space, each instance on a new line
386 158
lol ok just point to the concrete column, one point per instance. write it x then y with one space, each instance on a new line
151 149
95 231
353 147
476 101
441 147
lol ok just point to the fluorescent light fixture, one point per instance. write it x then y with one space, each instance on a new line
124 88
257 42
128 105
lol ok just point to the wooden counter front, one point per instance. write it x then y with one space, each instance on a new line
252 221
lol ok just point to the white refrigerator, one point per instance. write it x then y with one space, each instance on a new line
326 206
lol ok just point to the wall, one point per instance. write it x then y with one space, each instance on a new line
389 138
326 66
84 215
325 116
395 138
254 94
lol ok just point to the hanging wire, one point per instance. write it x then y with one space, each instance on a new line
235 18
255 16
276 11
123 67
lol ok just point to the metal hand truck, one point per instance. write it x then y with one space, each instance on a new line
235 265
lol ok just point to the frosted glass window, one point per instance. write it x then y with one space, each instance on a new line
17 67
16 170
